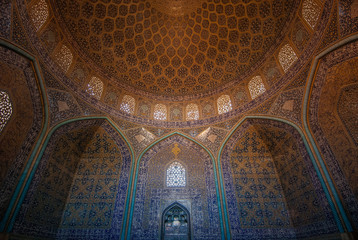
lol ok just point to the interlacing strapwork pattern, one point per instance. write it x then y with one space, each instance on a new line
95 87
256 87
64 58
224 104
160 112
192 112
176 175
128 104
39 14
5 109
287 57
310 12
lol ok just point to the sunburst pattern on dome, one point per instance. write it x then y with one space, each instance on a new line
145 47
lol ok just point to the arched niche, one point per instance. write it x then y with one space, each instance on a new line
331 116
18 138
175 223
152 195
80 186
271 187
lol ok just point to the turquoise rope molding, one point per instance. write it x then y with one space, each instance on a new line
216 182
19 188
315 65
48 137
339 224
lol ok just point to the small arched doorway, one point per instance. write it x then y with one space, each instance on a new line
176 223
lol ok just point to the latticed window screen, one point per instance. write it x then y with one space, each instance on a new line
256 87
5 109
128 104
160 112
95 87
64 58
224 104
39 14
287 57
310 12
192 112
176 175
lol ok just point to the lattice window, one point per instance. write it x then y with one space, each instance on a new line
192 112
310 12
95 87
287 57
160 112
128 104
5 109
224 104
176 175
39 13
64 58
256 87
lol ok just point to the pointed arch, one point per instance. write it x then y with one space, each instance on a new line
183 217
127 163
148 149
12 210
307 145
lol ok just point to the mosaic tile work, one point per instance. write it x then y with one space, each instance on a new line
289 105
21 131
80 185
348 16
5 19
271 188
198 196
62 106
336 73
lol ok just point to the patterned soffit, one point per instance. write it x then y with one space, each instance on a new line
175 48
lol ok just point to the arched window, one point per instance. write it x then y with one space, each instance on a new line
256 87
160 112
176 175
192 112
5 109
95 87
224 104
39 13
310 12
287 57
64 58
128 104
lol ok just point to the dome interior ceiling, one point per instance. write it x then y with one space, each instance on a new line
175 48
